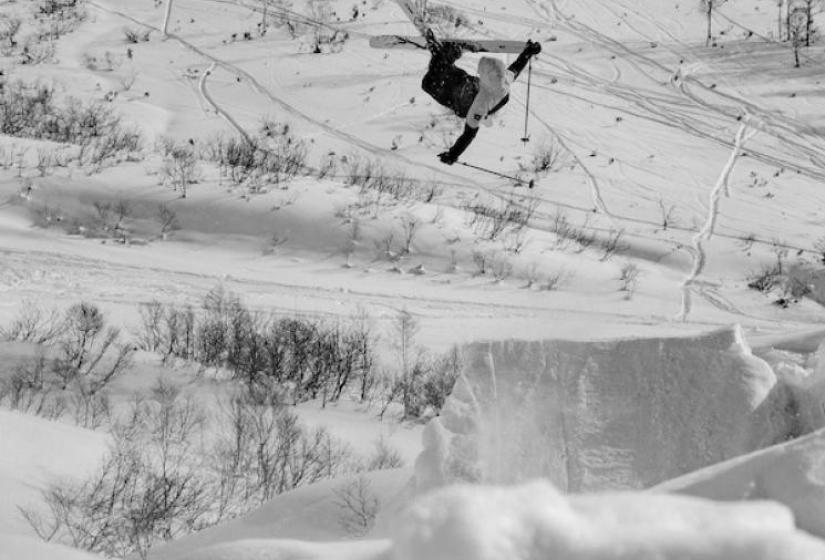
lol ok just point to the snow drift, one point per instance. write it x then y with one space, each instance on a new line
534 521
792 473
603 415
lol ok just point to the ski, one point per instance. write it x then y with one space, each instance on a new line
470 45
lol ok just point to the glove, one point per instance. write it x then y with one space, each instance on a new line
447 157
532 49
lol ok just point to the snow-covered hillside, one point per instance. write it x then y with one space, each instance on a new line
608 314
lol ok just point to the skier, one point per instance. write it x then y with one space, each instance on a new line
472 97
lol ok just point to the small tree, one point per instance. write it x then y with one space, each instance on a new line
797 29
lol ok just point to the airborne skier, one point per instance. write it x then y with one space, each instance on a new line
472 97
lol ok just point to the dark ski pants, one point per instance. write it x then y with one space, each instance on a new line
450 85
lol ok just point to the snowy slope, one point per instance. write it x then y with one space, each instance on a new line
35 453
647 119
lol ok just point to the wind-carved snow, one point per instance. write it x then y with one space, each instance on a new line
603 415
792 474
535 521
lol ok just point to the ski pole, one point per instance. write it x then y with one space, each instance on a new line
502 175
526 138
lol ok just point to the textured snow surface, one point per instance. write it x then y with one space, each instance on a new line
534 521
792 473
604 415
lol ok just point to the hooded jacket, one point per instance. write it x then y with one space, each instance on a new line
493 94
494 87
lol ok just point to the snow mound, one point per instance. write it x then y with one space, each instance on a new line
603 415
26 548
534 521
35 452
260 549
792 473
310 513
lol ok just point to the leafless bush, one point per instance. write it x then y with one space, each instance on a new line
767 278
384 457
59 17
28 389
37 52
612 244
553 281
168 220
422 383
547 157
31 111
371 175
34 324
147 490
264 451
180 165
107 62
133 35
91 354
9 28
358 506
567 232
409 226
294 357
628 279
275 155
491 222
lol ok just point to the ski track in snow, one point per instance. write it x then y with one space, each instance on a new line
224 114
698 250
26 274
656 106
287 107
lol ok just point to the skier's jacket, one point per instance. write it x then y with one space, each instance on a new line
492 93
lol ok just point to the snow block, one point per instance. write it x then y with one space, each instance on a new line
605 414
535 521
792 473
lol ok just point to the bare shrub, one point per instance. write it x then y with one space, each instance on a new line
358 506
554 281
491 222
134 35
546 158
292 358
180 165
628 279
91 353
274 453
59 17
34 324
9 28
767 278
384 457
612 244
31 111
275 155
168 219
